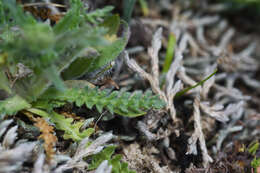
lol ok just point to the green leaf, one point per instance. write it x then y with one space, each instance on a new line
4 83
93 16
110 52
169 53
78 84
94 59
180 93
80 66
54 77
71 129
122 103
2 14
128 6
48 105
112 23
253 147
255 163
51 50
105 154
115 162
13 14
72 19
12 105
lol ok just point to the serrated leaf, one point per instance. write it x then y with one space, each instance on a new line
79 102
99 107
119 102
71 129
48 105
110 108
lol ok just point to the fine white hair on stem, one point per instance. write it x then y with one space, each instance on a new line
38 165
153 53
207 20
198 135
188 80
10 137
104 167
144 129
223 42
170 106
171 87
188 39
215 111
3 126
82 151
95 147
237 113
173 70
210 82
134 66
153 78
230 92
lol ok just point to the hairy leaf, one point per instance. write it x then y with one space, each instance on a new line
90 62
12 105
112 23
4 83
72 19
51 50
93 16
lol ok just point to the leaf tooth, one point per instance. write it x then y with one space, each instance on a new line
89 104
123 108
99 107
136 109
148 93
110 108
137 95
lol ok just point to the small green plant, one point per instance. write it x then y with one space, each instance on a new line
122 103
39 64
252 149
169 53
106 154
36 56
182 92
50 52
